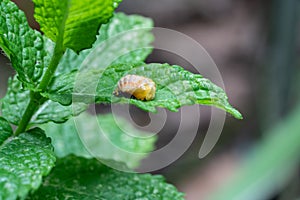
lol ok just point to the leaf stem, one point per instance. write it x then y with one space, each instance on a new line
35 97
30 109
58 53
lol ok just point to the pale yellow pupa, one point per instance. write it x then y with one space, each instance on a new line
140 87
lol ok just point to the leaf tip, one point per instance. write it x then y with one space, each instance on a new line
234 112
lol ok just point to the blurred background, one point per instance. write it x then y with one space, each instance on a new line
255 45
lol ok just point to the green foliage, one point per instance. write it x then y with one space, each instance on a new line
61 18
112 45
103 138
5 130
79 178
175 87
16 99
22 45
24 161
71 64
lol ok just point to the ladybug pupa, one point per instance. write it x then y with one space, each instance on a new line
140 87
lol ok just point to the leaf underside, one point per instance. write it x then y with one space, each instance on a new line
104 136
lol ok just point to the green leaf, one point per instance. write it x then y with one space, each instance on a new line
24 161
5 130
105 136
113 45
126 39
54 112
79 178
22 45
76 21
175 87
17 99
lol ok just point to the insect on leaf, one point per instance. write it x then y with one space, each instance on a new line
175 87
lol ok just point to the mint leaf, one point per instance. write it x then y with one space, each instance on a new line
24 161
54 112
175 87
126 39
22 45
113 45
79 178
5 130
76 21
104 136
16 100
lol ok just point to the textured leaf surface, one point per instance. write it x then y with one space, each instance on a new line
22 45
176 87
16 100
77 21
125 39
79 178
5 130
24 161
104 136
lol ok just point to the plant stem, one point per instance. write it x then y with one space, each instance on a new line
35 97
58 53
31 108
